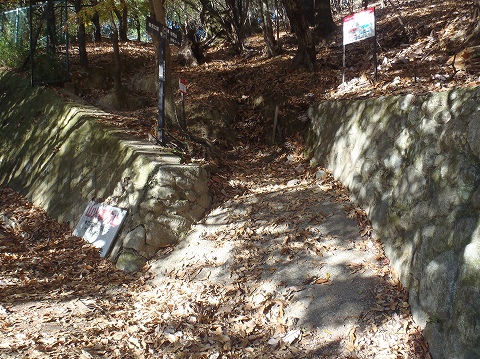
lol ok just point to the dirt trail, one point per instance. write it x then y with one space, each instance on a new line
282 271
283 267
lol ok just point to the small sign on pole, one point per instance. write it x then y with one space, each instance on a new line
182 85
357 27
100 224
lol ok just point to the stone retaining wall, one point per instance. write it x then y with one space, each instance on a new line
55 151
413 162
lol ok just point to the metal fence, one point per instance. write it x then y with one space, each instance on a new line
14 25
41 29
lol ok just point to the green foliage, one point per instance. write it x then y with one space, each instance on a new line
14 36
6 5
138 12
13 54
185 14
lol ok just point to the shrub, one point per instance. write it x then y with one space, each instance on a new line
13 54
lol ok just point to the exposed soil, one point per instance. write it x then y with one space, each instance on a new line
58 299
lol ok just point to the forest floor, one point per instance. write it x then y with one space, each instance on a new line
58 299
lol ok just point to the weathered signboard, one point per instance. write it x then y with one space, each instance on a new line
154 28
174 37
359 26
100 225
158 29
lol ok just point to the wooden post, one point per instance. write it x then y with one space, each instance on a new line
275 123
161 91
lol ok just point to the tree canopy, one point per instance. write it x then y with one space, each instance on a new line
204 21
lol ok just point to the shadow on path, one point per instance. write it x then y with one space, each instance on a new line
289 275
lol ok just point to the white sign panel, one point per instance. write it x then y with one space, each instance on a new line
182 85
100 224
359 26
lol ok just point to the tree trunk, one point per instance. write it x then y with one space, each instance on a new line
306 55
51 28
308 7
124 27
272 47
139 31
237 24
96 24
122 16
324 24
277 19
232 24
117 70
82 45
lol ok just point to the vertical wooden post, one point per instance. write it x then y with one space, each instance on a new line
161 90
275 124
375 62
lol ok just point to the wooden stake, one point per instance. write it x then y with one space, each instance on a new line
275 122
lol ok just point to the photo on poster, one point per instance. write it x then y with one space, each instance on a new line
100 225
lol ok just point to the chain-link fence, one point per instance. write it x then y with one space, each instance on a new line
14 37
14 24
37 36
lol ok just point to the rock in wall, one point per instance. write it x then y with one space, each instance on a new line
56 151
413 162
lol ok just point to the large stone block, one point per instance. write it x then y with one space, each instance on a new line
467 323
73 158
414 163
437 286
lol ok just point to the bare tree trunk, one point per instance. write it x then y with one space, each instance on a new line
324 24
237 24
271 44
117 70
51 28
82 45
96 24
306 55
138 28
122 16
233 24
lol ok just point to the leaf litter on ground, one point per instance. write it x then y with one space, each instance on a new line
59 299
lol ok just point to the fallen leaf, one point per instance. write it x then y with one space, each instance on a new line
350 341
323 280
